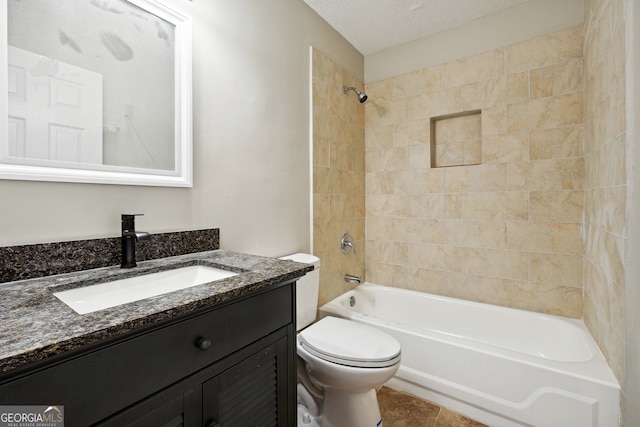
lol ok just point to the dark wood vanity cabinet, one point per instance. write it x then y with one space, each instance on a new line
230 365
250 389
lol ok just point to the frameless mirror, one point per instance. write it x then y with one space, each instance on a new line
97 91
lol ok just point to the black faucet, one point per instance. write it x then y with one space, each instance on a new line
129 238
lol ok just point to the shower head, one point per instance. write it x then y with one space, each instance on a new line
362 97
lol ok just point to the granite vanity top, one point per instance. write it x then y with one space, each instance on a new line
35 325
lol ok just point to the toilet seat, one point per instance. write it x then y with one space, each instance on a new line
350 343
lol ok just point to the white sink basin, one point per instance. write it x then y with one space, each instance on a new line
110 294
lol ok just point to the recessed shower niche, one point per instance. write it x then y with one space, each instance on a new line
456 139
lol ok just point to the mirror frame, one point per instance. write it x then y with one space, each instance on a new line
181 176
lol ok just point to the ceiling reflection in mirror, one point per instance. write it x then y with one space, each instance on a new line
93 85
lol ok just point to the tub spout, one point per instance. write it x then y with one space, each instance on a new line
352 279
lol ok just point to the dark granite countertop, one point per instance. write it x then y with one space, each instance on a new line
35 325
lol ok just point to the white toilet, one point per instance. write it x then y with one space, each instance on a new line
341 362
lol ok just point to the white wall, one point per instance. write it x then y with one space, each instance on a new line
525 21
251 141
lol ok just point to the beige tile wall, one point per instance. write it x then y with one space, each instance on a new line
605 179
506 231
338 175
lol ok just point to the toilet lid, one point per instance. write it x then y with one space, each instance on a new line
350 343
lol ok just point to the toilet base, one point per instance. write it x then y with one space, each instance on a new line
305 419
351 409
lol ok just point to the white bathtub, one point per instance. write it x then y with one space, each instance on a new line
500 366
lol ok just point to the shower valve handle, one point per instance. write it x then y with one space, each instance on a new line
346 244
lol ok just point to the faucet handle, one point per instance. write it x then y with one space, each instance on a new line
130 216
129 221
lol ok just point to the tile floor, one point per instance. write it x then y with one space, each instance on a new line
403 410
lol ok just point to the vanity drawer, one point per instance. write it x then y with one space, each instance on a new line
133 369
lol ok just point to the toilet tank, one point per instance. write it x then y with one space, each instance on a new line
306 290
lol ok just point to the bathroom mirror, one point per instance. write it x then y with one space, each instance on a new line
97 91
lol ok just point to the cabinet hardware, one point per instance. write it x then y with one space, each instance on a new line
203 344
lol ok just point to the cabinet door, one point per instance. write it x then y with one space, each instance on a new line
170 414
177 406
250 393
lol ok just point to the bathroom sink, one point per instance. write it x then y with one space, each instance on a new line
110 294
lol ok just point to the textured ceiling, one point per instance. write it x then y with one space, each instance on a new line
374 25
